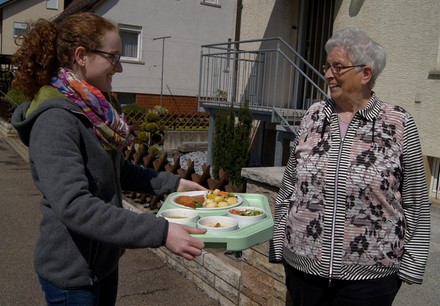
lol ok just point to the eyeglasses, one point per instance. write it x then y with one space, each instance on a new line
114 58
336 68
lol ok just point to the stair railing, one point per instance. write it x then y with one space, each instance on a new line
267 74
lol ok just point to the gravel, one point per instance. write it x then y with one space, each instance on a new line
199 158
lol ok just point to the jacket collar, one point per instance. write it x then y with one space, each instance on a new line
369 113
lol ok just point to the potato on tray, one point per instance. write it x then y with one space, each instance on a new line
217 198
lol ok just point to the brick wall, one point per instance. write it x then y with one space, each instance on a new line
179 104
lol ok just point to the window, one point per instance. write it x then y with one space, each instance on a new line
435 73
126 98
435 182
52 4
20 28
210 2
131 42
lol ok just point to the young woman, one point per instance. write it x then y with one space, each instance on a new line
75 137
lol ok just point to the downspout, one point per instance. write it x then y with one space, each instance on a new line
236 47
238 20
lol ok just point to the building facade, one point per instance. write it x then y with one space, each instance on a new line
16 15
161 46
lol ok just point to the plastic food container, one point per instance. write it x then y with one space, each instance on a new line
180 215
218 223
246 215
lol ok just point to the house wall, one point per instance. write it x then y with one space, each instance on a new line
270 18
190 25
410 35
23 11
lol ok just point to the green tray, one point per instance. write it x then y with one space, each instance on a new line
241 238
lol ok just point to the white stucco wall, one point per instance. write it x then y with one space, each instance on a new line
23 11
409 31
270 18
190 25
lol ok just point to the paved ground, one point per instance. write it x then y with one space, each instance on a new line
145 280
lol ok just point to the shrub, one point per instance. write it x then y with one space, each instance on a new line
143 136
156 138
16 97
231 143
150 127
160 110
151 117
128 108
153 150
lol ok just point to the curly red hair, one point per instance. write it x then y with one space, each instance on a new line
51 45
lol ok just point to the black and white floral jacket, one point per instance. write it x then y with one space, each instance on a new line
357 207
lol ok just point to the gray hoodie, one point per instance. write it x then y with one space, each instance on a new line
84 228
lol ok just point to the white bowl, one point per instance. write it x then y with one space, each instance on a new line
243 218
218 223
180 215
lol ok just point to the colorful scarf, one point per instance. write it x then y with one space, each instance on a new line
109 127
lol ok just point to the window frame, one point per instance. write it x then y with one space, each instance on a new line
132 29
14 28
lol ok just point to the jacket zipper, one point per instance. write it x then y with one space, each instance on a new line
332 245
335 203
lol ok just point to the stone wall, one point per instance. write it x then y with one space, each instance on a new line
174 140
7 129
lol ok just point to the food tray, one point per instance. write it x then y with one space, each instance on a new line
242 238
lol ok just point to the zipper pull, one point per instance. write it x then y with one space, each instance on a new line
329 282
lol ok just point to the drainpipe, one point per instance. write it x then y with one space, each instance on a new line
238 20
237 46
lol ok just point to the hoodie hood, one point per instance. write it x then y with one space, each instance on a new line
26 113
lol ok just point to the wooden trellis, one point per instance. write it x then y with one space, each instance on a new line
172 121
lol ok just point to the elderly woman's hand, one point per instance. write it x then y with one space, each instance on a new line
187 185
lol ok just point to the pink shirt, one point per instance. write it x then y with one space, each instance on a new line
343 126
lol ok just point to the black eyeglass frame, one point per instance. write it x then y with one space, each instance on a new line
114 58
337 68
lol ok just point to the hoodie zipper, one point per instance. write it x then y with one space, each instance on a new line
96 243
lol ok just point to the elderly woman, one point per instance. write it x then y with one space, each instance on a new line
352 218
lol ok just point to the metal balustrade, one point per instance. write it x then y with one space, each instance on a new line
269 76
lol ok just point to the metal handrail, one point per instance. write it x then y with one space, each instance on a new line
267 77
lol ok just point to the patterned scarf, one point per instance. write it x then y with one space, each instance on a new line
109 127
